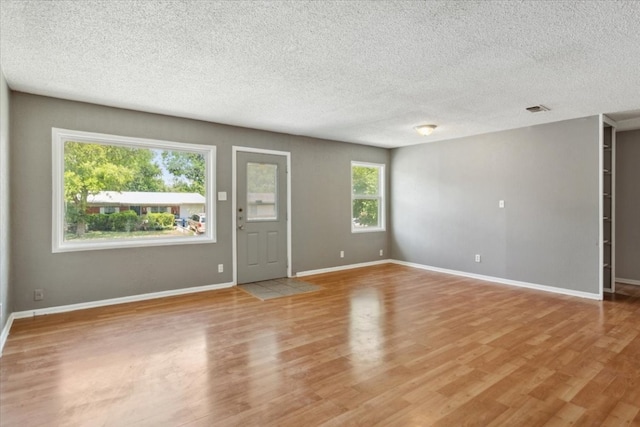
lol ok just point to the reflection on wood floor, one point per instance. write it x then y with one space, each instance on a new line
388 345
623 289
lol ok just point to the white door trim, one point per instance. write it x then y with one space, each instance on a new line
613 200
234 203
600 205
606 120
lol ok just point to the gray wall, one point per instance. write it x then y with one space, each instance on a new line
445 197
628 205
320 211
5 297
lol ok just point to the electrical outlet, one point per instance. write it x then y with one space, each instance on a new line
381 252
341 254
477 257
38 294
220 268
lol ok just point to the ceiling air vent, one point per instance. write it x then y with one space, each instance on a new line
537 109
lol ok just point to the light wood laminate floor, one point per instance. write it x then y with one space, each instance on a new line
386 345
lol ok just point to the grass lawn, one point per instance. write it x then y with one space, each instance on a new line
95 235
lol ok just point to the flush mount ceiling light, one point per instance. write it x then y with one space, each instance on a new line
425 130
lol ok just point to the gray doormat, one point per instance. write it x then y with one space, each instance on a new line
277 288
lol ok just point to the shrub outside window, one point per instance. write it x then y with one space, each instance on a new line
367 197
113 191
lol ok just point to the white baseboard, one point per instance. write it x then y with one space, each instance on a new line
122 300
162 294
628 281
503 281
103 303
5 332
341 267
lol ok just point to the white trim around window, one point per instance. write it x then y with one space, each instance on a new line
378 195
59 224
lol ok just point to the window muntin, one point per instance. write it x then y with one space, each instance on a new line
367 197
262 191
113 191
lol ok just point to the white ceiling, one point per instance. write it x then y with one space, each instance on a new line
359 71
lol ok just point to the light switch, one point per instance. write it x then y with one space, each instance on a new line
222 196
501 204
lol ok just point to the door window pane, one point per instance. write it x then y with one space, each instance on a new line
262 191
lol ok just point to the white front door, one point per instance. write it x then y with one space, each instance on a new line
261 216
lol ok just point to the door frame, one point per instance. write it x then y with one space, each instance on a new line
605 120
234 202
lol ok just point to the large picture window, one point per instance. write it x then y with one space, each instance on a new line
113 191
367 197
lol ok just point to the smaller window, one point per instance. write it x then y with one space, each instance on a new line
367 197
158 209
109 209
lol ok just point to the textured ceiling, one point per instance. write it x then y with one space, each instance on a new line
363 72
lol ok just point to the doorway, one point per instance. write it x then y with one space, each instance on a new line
607 205
261 222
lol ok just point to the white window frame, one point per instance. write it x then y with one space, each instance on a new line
380 197
60 136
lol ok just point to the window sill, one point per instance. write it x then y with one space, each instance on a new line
367 230
138 243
